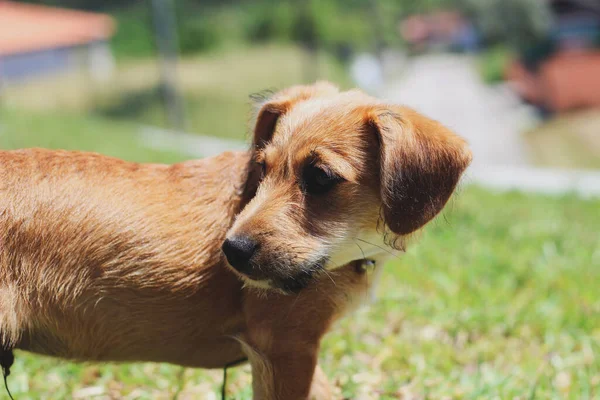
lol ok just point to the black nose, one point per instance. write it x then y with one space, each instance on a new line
239 250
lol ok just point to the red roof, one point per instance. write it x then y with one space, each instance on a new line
27 27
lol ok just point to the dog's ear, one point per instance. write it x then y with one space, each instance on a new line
280 103
270 109
421 163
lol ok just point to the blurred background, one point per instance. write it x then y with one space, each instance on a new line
499 298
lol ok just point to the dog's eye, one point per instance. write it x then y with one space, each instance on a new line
318 181
263 168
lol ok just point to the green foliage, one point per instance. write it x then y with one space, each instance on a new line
333 25
493 63
134 36
338 26
342 29
266 21
520 23
326 24
198 34
204 27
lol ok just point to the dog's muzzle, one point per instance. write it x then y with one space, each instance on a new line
239 251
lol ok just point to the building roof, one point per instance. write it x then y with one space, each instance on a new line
27 27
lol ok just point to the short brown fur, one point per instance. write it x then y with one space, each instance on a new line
105 260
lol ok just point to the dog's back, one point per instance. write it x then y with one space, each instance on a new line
88 242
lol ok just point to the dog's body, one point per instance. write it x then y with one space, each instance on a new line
106 260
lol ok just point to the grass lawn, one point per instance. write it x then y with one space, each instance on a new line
498 299
215 88
64 130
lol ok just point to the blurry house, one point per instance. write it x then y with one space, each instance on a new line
448 30
37 40
563 72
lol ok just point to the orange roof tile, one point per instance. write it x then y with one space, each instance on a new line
28 27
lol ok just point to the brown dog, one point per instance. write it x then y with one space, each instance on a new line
105 260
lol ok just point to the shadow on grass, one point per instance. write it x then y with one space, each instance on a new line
132 105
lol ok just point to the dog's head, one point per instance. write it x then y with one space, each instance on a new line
338 176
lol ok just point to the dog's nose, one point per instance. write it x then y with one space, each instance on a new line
239 250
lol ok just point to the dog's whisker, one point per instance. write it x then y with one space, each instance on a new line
381 248
329 276
360 248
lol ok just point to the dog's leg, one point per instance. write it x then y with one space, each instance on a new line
293 376
283 333
282 344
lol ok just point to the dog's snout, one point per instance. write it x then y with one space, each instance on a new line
239 250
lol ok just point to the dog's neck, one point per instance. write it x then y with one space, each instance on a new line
359 246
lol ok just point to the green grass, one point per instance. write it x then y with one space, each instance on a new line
215 88
63 130
497 300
